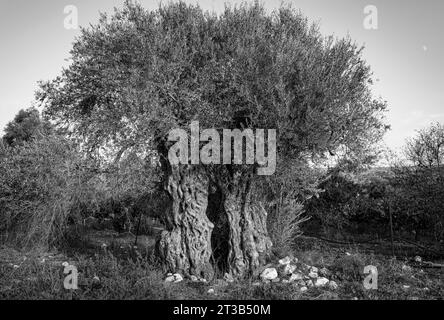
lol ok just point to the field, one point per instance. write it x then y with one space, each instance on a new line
110 267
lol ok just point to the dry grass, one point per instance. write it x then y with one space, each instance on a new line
284 226
128 273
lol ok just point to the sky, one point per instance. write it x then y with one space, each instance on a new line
405 51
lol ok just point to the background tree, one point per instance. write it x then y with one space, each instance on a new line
427 148
25 126
137 74
43 184
418 193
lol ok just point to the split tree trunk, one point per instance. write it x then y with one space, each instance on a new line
242 242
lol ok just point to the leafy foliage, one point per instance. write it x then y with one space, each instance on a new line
137 74
43 183
417 199
357 201
283 195
25 126
426 150
350 201
48 184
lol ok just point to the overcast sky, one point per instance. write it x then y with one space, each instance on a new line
406 52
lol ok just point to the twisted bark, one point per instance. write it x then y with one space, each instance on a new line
185 246
249 243
240 243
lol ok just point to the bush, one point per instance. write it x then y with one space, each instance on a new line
130 190
348 268
283 195
417 201
284 225
350 201
44 184
48 185
360 203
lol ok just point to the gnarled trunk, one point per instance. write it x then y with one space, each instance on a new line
185 246
239 242
249 243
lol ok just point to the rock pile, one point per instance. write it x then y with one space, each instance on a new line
290 270
287 270
174 278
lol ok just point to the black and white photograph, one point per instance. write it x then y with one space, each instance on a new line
222 156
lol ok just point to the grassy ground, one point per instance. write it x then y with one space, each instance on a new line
117 270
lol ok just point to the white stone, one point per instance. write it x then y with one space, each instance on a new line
333 285
314 269
303 289
194 278
177 277
320 282
289 269
174 278
210 291
269 274
296 277
170 279
285 260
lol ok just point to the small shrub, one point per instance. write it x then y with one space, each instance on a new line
348 268
284 226
283 195
44 184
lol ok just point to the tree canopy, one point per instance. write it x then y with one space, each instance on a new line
426 150
137 74
25 126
